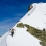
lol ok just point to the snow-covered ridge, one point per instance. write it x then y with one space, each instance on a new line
22 38
36 17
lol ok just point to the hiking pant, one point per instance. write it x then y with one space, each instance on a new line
12 33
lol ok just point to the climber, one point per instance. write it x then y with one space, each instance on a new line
12 32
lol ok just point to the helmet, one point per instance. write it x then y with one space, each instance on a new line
12 29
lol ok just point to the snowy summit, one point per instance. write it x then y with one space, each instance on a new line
34 19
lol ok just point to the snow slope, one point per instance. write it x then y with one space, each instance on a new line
36 17
3 39
22 38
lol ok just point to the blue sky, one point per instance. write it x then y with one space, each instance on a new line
11 11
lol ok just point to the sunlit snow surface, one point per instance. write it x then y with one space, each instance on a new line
22 38
36 17
3 39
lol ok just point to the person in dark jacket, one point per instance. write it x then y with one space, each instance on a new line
12 32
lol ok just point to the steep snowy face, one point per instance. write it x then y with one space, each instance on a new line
36 17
